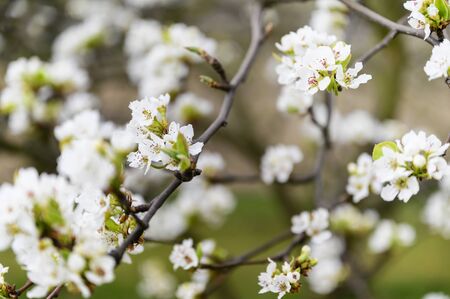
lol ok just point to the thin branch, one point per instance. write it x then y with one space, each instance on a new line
55 292
257 38
244 260
385 22
325 147
270 3
378 47
28 284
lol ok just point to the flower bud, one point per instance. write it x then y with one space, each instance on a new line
419 161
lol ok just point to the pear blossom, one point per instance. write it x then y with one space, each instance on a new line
3 271
314 224
188 107
426 16
160 143
362 179
77 41
184 255
35 91
156 281
287 279
436 296
439 63
72 230
330 16
211 163
190 290
278 163
210 203
437 208
401 165
388 234
349 219
313 61
294 101
168 224
330 270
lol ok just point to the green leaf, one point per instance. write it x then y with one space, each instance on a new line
185 163
182 146
112 226
443 8
378 149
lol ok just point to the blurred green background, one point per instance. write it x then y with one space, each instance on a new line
399 90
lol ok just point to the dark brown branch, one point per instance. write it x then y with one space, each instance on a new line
28 284
55 292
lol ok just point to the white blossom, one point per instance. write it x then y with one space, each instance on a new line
294 101
400 165
3 271
189 107
436 296
184 255
314 224
439 63
388 234
314 61
278 163
156 281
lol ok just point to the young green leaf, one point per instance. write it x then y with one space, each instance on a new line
443 8
378 149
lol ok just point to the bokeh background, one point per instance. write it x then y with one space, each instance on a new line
399 90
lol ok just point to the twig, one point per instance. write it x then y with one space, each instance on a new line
378 47
257 37
325 147
28 284
393 26
244 260
55 292
270 3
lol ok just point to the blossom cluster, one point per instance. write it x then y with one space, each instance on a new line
156 281
158 60
389 235
313 61
330 16
160 144
428 15
330 270
314 224
186 257
92 157
54 231
363 178
37 92
401 164
278 163
346 218
287 279
437 209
